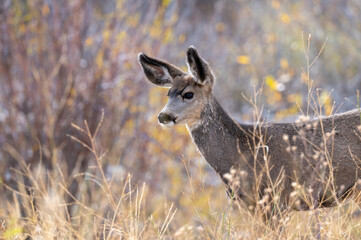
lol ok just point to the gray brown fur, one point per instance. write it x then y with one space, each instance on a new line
303 152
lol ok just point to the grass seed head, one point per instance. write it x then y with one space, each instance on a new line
285 137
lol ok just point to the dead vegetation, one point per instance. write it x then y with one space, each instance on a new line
81 155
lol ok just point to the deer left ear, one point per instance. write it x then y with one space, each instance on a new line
159 72
199 68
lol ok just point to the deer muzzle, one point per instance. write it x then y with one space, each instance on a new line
165 118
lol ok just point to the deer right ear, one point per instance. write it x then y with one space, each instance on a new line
199 68
158 72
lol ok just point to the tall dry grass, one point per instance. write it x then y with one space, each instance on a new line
67 66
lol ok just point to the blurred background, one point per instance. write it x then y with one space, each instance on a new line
66 61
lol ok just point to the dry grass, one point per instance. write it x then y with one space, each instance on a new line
112 208
81 155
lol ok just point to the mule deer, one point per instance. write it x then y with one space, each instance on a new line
312 163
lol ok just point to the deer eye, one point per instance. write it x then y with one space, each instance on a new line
188 95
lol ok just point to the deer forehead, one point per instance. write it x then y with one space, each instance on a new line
182 83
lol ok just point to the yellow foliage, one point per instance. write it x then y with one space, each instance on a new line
106 34
17 10
181 38
220 26
175 176
274 97
184 68
99 58
173 20
326 101
69 102
271 82
304 78
133 20
45 10
163 137
271 38
272 93
89 41
285 18
177 144
137 108
129 125
157 96
120 37
295 98
275 4
287 112
181 129
127 65
167 36
28 17
155 30
165 3
12 233
284 63
243 59
119 5
22 28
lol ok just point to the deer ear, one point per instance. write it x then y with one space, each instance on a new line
158 72
199 68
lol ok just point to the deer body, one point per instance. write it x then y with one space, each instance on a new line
320 155
226 144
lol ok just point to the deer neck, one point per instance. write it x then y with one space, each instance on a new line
218 138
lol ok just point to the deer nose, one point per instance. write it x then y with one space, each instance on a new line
165 118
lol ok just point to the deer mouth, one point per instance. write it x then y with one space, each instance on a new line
170 123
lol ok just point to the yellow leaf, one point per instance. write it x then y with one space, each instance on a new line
129 125
12 233
72 92
22 28
69 102
284 63
165 3
89 41
271 82
106 34
133 20
181 129
99 58
167 36
127 65
274 97
271 38
285 18
45 10
155 30
294 109
136 108
181 38
220 26
275 4
121 36
326 101
28 17
157 96
295 98
243 59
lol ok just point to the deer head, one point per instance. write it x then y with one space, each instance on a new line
188 92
